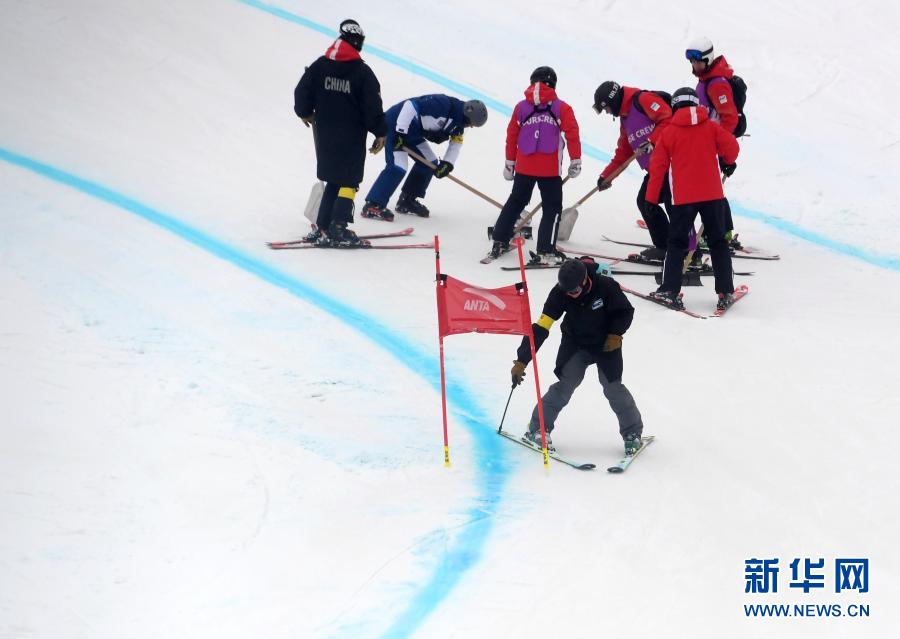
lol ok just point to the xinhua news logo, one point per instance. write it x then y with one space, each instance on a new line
842 578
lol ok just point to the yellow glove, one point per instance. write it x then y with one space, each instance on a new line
518 373
613 343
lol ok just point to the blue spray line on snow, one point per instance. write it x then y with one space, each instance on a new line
465 550
891 262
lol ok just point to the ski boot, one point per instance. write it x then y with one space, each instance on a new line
498 249
377 212
339 236
653 253
668 298
533 437
633 444
314 236
725 300
410 205
546 258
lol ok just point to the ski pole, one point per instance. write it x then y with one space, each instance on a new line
500 430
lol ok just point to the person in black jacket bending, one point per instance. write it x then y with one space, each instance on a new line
597 315
341 98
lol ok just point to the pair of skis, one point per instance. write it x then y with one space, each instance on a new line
746 253
739 293
306 244
619 467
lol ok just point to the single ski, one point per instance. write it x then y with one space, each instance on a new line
366 245
531 267
635 258
739 292
703 272
662 303
736 254
553 455
375 236
625 462
744 249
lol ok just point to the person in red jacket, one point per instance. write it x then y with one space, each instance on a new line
691 150
644 115
534 154
716 93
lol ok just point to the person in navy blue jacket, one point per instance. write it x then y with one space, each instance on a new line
414 123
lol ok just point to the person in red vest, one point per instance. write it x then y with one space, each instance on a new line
643 115
691 150
536 135
716 93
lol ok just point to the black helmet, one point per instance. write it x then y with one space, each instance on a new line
352 34
608 94
475 112
685 96
545 75
571 275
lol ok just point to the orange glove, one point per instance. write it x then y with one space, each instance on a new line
613 343
518 373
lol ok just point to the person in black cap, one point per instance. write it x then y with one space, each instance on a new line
340 97
643 116
597 316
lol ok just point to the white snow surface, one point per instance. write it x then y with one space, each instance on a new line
203 443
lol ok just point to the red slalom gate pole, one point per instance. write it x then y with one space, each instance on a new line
438 284
537 381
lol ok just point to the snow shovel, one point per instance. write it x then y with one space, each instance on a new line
315 199
315 195
569 216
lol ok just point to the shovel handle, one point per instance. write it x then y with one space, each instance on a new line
419 158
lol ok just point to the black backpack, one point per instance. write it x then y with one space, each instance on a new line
739 92
663 95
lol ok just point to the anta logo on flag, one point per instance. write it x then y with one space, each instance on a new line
482 305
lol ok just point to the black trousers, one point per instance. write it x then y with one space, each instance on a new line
713 215
333 208
551 196
653 214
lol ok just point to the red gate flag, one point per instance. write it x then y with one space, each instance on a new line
466 308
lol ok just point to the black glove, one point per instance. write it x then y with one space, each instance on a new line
602 184
727 169
399 141
646 148
518 373
443 169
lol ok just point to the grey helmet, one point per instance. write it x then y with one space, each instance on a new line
475 112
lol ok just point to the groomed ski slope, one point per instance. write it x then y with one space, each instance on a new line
202 437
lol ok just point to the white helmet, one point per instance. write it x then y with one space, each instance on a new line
700 49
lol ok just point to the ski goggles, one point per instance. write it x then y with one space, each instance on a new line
696 54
